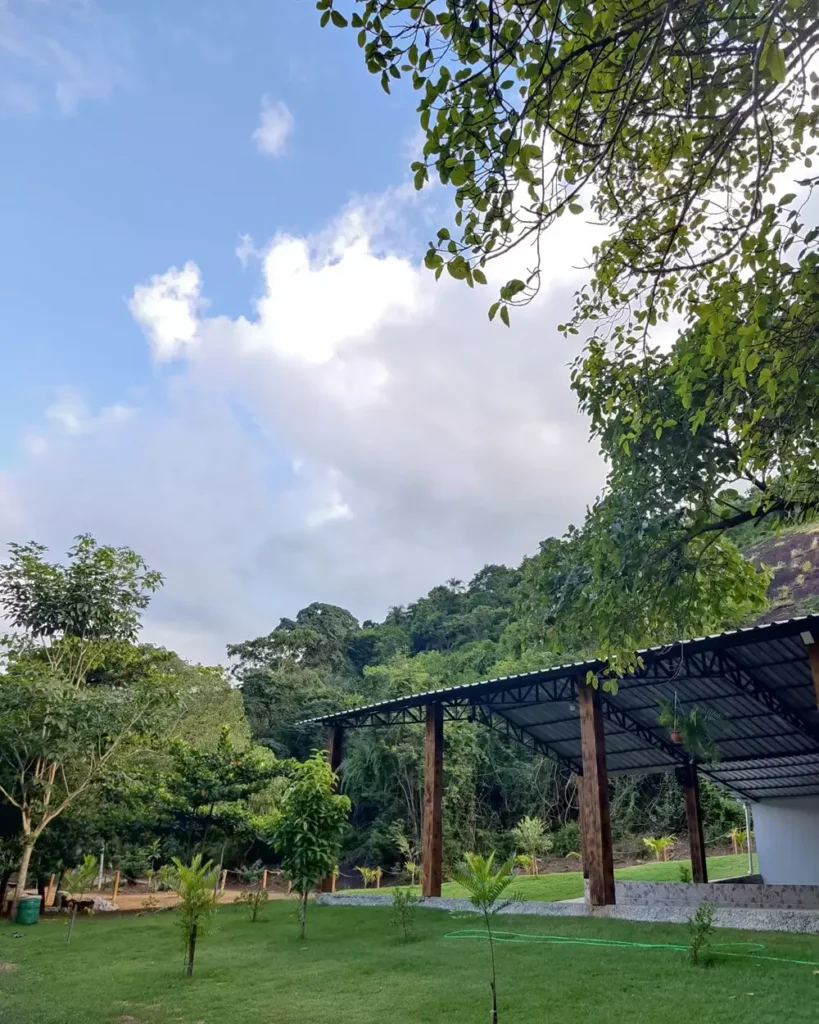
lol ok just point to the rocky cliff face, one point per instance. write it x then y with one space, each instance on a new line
793 556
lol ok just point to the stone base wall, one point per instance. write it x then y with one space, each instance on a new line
751 918
726 893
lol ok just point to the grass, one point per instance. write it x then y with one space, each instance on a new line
352 969
568 885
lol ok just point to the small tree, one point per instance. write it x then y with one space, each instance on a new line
370 876
410 854
309 828
700 930
660 846
738 837
77 883
531 838
197 902
485 886
255 895
404 902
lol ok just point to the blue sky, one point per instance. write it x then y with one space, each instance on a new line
309 418
161 167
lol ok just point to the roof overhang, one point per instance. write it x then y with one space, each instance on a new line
758 682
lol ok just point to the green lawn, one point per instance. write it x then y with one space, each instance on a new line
568 885
353 970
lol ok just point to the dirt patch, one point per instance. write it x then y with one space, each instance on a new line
128 1020
7 968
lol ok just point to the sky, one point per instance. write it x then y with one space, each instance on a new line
219 345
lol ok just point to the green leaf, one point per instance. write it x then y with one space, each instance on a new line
775 62
504 314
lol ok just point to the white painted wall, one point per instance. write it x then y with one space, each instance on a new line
787 840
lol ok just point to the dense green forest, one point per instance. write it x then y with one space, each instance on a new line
460 632
131 746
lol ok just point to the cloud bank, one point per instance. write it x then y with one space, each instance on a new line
364 435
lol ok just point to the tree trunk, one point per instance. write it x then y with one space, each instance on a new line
191 952
42 889
303 914
22 876
493 1011
4 885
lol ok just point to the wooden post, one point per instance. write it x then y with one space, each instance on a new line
116 887
689 780
433 792
813 660
335 755
223 880
49 898
596 797
582 804
264 879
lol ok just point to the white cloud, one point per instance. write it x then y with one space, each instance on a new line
246 250
365 435
167 310
69 416
275 127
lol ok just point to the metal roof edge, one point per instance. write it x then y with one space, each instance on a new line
778 629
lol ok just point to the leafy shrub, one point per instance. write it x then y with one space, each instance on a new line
370 876
566 840
404 903
700 929
685 873
254 899
531 838
166 878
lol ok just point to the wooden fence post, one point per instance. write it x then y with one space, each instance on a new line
264 879
116 887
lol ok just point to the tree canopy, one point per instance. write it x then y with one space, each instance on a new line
687 132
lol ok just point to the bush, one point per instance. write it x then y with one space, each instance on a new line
254 899
700 930
567 839
403 912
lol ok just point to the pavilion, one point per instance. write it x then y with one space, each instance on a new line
761 682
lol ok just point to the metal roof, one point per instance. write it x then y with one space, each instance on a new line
757 681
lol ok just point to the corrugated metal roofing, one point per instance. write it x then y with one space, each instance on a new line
757 681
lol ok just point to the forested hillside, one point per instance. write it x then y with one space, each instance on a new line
494 624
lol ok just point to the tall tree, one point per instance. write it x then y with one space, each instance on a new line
208 790
60 727
674 124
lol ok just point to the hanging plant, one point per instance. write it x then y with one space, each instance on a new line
691 730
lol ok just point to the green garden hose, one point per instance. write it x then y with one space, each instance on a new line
753 950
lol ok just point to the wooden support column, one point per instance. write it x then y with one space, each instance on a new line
813 658
433 792
582 805
335 755
689 780
598 854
